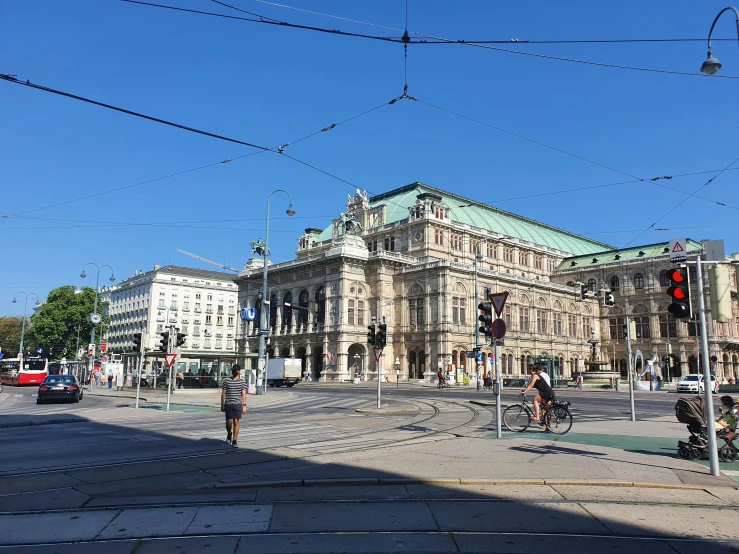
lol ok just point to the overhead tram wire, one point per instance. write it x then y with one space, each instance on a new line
278 150
683 201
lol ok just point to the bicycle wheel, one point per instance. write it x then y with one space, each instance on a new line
558 420
516 418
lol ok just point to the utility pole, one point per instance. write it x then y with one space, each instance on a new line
144 340
630 366
172 331
712 445
478 362
498 382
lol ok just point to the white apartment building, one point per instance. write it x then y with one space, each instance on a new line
201 303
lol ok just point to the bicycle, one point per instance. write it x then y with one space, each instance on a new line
555 417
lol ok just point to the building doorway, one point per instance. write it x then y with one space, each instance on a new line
317 362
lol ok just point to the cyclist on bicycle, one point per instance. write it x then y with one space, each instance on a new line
545 392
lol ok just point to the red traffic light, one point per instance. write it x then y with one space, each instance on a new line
678 293
678 276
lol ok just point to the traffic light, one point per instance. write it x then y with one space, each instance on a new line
679 291
608 299
584 291
181 338
382 335
371 336
137 342
486 318
163 344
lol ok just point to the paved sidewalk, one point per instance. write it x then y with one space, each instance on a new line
430 516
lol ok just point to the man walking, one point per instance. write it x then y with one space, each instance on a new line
233 403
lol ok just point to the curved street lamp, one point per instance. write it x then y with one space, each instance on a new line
94 317
263 326
712 65
25 305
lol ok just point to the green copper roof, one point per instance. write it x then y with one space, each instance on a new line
477 214
624 255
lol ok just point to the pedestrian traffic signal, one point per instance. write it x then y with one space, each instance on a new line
137 342
371 336
486 318
163 344
181 338
382 335
679 291
608 299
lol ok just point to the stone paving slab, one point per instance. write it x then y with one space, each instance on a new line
331 493
637 494
146 498
343 543
684 521
151 522
54 527
118 547
411 516
231 519
512 517
28 483
513 492
194 545
46 500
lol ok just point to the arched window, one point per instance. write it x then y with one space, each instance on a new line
664 281
360 312
510 364
638 281
350 314
303 299
570 283
273 311
321 306
287 311
614 284
667 326
592 284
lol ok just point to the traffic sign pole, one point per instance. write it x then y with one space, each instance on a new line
498 426
378 359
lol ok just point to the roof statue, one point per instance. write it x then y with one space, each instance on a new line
348 225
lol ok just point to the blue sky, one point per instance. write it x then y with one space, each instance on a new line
270 85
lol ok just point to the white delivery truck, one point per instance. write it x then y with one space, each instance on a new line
283 371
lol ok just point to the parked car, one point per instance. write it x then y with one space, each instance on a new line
694 383
59 387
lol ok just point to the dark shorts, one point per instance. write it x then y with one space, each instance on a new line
233 411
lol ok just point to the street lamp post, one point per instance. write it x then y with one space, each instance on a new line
478 363
712 65
23 324
95 318
263 327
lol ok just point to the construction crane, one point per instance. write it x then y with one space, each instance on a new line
206 260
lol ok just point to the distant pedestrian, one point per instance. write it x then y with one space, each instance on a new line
233 403
306 376
97 376
110 378
180 379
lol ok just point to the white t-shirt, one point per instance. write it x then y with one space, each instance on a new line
545 376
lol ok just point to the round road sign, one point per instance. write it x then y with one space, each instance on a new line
498 328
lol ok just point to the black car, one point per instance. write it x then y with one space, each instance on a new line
59 387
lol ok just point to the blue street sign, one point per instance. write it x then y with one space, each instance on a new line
1 355
479 356
40 350
248 314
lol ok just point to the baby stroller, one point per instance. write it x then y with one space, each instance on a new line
691 411
487 384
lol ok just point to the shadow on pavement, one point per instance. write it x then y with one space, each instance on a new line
140 468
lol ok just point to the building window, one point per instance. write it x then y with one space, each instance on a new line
639 281
642 327
206 343
523 319
416 309
456 241
218 343
667 326
372 246
587 327
186 306
572 325
229 344
210 297
390 244
592 285
220 308
694 329
541 322
219 320
161 303
439 236
693 275
492 251
439 212
197 296
350 316
209 308
197 306
664 281
613 284
207 320
173 305
523 258
507 317
537 262
617 325
557 324
360 312
303 300
508 255
230 321
459 310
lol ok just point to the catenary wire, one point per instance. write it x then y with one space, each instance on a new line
278 150
683 201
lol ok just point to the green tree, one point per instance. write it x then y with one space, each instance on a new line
10 335
65 310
